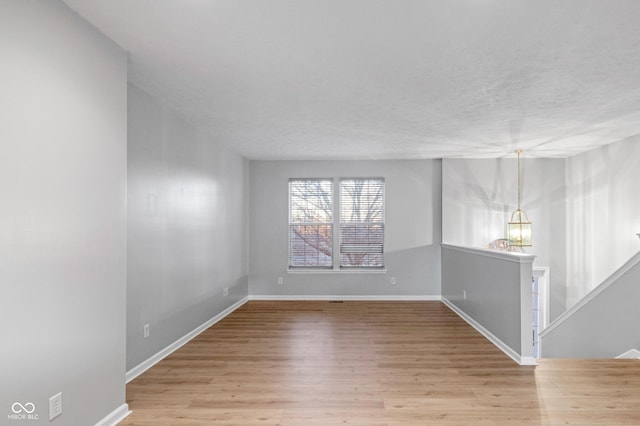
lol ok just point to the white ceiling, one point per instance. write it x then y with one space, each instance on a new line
338 79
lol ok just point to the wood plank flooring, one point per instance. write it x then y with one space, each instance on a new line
371 363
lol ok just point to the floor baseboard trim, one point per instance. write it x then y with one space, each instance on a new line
116 416
521 360
528 360
388 298
154 359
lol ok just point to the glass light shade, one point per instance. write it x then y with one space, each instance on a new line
519 229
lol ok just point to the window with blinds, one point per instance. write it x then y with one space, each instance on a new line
362 223
310 223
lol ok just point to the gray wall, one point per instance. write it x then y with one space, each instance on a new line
187 227
498 292
604 325
413 208
478 197
604 214
63 213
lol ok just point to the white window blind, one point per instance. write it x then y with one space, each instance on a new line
310 223
362 223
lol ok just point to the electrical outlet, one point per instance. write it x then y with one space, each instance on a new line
145 331
225 292
464 294
280 281
393 280
55 406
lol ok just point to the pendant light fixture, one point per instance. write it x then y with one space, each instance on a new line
519 225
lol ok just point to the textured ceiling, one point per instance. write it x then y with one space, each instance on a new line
337 79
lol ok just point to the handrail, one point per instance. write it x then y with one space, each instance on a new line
619 273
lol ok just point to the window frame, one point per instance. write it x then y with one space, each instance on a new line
335 227
291 223
381 223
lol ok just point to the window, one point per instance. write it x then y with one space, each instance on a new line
310 223
360 223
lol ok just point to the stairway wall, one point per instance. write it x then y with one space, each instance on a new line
603 214
602 325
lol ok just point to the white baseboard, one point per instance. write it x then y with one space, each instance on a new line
116 416
630 354
528 360
389 298
154 359
521 360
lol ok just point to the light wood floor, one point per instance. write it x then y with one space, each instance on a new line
371 363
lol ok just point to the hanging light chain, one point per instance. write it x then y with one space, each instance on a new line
519 230
519 151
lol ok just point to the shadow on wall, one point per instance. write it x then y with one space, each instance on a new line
479 195
475 209
408 272
427 276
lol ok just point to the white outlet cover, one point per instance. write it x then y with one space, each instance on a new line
146 330
55 406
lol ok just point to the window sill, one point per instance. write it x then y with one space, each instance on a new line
337 271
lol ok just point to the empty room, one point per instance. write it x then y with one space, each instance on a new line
319 212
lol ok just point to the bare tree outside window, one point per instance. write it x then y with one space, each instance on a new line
311 223
362 223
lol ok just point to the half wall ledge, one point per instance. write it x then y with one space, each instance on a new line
491 290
